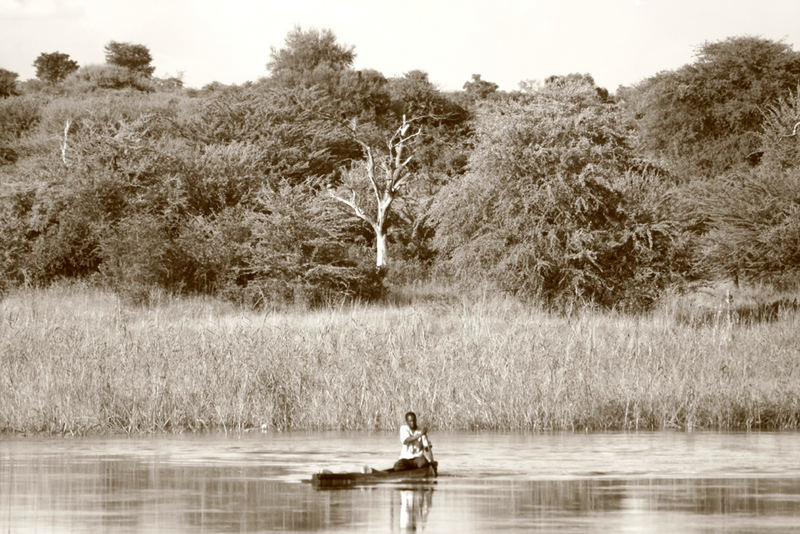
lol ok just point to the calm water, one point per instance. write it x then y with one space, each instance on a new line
647 482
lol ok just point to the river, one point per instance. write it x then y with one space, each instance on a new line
256 482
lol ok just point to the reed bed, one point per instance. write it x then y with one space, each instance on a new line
77 361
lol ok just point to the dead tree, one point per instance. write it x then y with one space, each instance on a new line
386 173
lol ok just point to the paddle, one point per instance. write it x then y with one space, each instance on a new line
427 448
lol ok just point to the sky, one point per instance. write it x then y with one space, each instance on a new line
618 42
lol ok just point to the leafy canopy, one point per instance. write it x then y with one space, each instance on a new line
542 212
54 67
8 83
754 215
309 54
135 57
704 117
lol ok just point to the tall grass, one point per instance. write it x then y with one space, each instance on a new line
78 360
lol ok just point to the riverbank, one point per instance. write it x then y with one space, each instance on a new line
79 361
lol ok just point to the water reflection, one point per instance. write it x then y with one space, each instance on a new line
721 496
127 496
412 512
254 486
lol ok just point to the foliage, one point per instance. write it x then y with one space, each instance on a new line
293 143
754 232
129 180
135 57
309 56
8 83
753 217
313 70
94 77
15 242
446 134
154 193
542 211
300 250
19 115
561 81
704 118
780 136
54 67
479 89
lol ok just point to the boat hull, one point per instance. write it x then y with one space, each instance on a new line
346 480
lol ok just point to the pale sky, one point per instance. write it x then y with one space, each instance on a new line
619 42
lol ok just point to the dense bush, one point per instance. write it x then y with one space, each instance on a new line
559 192
283 250
704 118
753 217
147 197
18 116
543 210
94 77
8 83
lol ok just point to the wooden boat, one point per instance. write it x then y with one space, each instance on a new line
346 480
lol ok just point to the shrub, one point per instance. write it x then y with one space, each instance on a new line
8 83
94 77
299 252
18 116
138 255
543 211
752 217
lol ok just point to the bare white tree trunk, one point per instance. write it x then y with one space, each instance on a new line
380 248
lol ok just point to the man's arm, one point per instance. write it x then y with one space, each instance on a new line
411 437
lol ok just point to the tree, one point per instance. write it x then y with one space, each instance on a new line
704 118
479 89
379 177
754 216
54 67
444 144
135 57
309 57
8 83
557 80
553 206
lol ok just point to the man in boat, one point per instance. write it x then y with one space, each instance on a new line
415 451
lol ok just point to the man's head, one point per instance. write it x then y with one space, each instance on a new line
411 420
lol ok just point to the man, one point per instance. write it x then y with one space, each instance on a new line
415 451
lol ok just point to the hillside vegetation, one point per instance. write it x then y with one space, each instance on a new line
279 192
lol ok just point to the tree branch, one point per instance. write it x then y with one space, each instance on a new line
352 203
371 173
794 130
399 183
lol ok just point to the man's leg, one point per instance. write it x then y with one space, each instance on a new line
420 461
402 464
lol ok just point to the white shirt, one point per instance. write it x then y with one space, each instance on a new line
412 450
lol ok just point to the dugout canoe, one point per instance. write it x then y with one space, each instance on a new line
345 480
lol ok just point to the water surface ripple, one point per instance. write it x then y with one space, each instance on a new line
253 482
